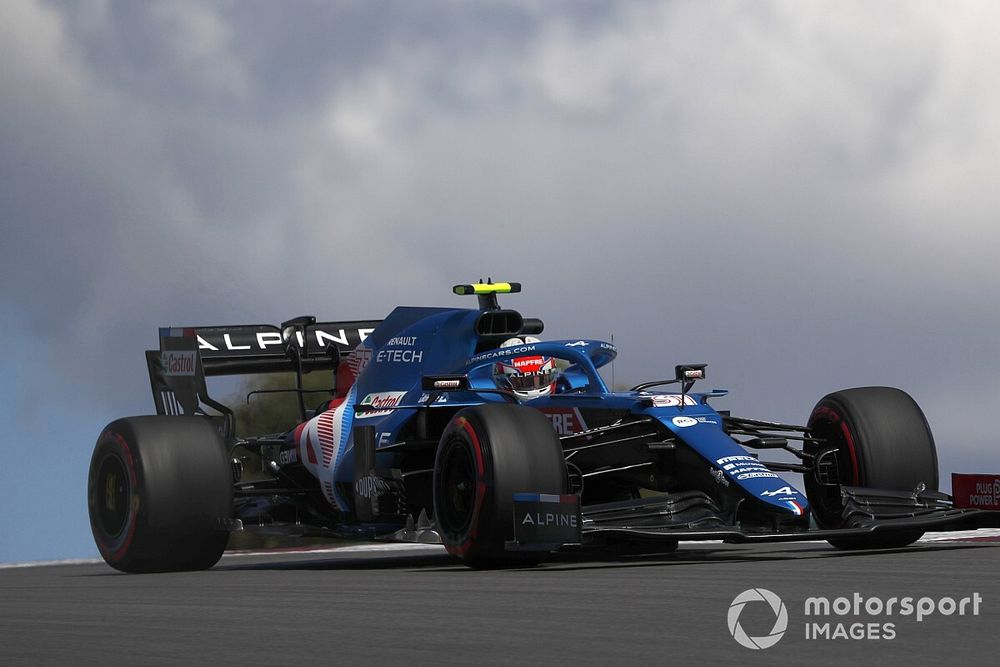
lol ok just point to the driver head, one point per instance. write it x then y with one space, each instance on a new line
529 376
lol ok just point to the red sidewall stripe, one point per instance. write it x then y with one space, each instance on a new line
477 448
835 418
851 449
108 550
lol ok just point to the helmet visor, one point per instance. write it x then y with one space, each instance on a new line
529 381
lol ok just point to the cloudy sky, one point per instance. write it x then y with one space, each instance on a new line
801 194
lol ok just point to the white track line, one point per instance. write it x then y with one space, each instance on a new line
354 548
46 563
959 535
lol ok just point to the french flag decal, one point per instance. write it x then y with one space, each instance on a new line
176 332
795 507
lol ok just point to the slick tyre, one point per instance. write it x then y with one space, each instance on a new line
883 442
487 454
160 494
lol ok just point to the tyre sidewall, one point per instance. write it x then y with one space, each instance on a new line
112 444
515 450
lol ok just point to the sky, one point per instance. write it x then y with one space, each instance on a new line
801 194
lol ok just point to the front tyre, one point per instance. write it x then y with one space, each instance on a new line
160 494
487 454
882 441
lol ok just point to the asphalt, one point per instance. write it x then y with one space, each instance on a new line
412 605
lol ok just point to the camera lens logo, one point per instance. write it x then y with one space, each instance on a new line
777 608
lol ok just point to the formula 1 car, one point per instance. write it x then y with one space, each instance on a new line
416 440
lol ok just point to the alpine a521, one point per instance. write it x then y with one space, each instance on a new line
460 426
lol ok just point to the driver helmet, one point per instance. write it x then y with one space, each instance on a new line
528 377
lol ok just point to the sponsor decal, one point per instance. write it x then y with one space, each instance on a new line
579 343
502 352
383 400
783 491
177 363
670 400
447 384
368 414
528 365
561 519
402 341
742 466
286 456
548 519
756 475
565 421
216 340
380 404
683 422
371 486
398 356
739 470
738 457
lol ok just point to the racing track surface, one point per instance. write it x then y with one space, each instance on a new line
410 604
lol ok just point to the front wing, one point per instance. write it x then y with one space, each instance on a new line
551 522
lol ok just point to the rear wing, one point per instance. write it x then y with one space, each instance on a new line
264 348
187 355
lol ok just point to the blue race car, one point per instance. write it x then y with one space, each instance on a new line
460 426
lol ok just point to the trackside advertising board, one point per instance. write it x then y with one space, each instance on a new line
976 491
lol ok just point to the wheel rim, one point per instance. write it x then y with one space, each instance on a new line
113 491
458 487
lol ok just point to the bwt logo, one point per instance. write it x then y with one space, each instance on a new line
775 607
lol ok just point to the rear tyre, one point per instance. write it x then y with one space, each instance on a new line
883 442
487 454
160 494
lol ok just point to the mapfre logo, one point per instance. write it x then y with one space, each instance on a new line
773 606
